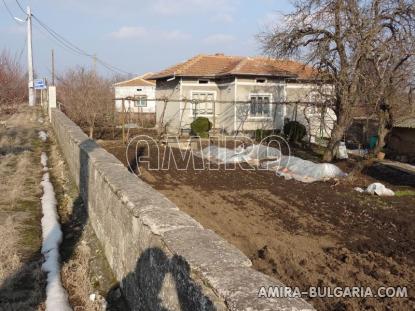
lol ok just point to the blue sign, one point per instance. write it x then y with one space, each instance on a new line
39 84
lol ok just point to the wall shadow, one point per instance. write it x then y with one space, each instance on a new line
144 285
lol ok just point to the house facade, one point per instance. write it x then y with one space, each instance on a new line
138 95
237 94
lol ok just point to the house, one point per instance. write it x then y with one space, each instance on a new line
138 94
401 140
238 94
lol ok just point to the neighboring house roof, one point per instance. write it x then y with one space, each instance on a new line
406 122
138 81
220 65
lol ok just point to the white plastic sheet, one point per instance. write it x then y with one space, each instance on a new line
291 167
240 154
378 189
342 151
287 166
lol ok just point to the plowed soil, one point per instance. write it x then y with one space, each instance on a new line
319 234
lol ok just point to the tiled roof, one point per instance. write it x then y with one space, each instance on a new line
138 81
221 65
406 122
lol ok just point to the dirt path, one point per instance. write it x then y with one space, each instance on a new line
320 234
85 271
21 279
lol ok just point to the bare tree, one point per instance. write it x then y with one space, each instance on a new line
391 71
87 98
335 36
13 83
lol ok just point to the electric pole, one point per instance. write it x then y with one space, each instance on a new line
53 67
95 63
30 58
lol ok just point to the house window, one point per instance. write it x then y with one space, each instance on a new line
140 101
261 80
139 90
260 106
203 81
202 103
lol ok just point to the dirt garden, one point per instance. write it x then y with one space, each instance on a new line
317 234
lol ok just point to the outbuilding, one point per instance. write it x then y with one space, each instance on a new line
136 95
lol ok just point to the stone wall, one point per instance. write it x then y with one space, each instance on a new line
163 258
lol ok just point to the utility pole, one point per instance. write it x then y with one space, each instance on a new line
30 58
95 63
53 67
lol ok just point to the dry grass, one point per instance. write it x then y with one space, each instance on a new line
9 259
21 278
76 273
75 277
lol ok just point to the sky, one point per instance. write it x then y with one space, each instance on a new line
138 36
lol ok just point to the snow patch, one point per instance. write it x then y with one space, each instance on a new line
44 161
43 135
56 296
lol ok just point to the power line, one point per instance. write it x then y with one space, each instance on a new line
75 49
10 12
20 6
23 49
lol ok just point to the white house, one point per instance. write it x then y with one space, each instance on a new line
240 94
139 95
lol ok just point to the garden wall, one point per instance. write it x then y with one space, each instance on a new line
163 258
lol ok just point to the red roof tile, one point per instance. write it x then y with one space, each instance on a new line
221 65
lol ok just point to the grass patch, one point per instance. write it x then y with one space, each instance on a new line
27 206
404 193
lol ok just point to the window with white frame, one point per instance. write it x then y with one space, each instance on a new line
260 106
202 103
140 101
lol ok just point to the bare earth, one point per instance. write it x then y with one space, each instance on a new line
319 234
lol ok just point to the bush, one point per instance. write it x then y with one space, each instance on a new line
87 99
294 131
201 127
13 83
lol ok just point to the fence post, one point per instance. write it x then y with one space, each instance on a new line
51 99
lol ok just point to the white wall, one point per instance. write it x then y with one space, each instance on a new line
126 91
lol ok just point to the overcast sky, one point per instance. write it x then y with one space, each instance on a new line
139 36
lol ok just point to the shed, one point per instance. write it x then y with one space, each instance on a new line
401 142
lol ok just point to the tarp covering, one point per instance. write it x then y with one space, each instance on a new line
240 154
291 167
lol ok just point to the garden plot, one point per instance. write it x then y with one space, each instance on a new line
304 234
